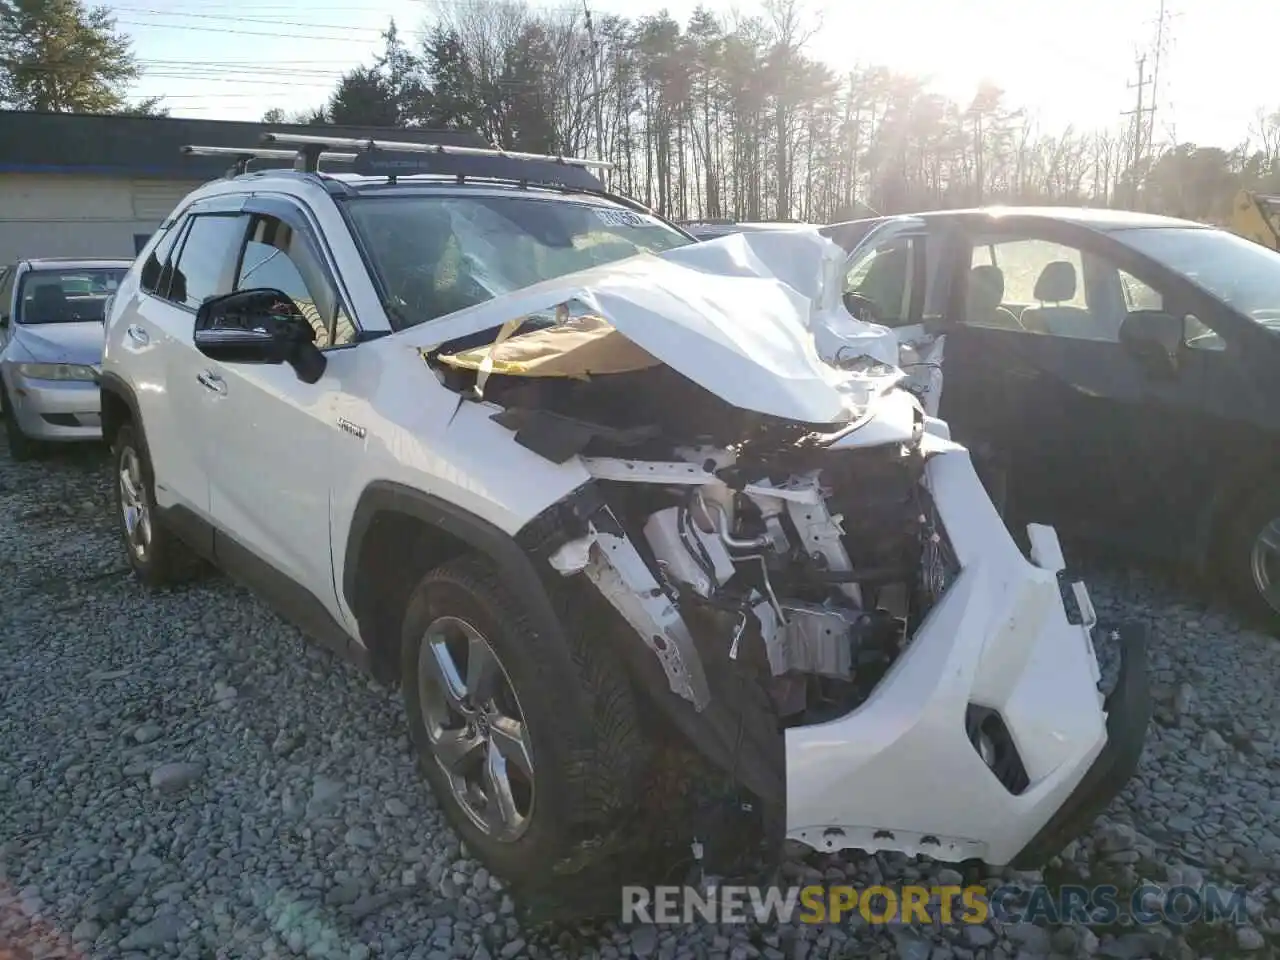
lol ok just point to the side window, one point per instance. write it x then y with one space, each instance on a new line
207 259
279 257
1038 272
1139 296
885 275
154 276
1040 286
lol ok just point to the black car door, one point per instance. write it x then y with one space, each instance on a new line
1092 439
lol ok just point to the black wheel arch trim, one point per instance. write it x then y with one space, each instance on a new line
117 386
507 551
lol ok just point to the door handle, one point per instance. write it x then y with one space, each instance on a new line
211 381
137 334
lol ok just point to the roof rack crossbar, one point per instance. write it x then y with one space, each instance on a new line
244 155
399 146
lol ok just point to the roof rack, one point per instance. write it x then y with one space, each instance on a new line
245 155
393 158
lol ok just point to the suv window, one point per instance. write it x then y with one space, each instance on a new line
277 256
207 259
154 276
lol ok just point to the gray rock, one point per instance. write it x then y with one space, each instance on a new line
86 931
512 949
361 837
1247 938
148 732
153 935
644 940
326 797
396 807
175 777
976 935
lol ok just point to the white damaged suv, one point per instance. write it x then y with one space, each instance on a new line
587 490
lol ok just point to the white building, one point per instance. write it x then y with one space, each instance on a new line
83 185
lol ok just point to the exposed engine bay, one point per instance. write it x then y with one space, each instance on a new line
813 558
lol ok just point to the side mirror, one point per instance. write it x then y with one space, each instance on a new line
1154 339
259 326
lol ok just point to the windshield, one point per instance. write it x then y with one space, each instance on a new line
1243 274
73 295
435 255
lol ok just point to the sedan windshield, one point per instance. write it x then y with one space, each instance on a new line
1243 274
433 255
67 296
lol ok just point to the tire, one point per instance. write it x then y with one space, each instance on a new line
581 725
1237 559
21 447
163 559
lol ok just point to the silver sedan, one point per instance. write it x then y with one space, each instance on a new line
51 315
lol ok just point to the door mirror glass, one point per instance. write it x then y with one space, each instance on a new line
1153 338
258 326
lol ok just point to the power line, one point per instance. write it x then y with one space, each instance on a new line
246 33
238 19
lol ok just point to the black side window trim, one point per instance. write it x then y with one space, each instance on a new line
296 217
166 269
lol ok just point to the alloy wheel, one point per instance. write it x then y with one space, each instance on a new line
133 504
476 728
1265 564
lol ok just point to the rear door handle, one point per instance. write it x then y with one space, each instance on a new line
137 334
211 381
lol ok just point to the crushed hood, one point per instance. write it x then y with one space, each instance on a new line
755 319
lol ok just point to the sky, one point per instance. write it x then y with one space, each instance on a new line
1065 62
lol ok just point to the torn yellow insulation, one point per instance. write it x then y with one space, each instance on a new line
577 348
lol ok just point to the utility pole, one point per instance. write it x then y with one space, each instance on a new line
1161 39
1138 127
595 83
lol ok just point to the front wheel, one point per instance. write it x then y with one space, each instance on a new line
1251 558
528 736
21 447
155 555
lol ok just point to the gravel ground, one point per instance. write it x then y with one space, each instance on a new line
182 775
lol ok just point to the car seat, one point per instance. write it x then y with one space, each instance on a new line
1056 285
985 298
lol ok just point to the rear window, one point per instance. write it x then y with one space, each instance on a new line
67 296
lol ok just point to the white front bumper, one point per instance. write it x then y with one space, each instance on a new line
900 772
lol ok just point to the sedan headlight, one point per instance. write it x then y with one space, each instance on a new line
57 371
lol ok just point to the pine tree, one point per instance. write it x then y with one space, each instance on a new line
61 56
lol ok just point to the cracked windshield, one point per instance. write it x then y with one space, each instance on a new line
655 479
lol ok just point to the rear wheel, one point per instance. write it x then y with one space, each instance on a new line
1251 558
155 555
528 736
